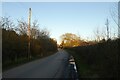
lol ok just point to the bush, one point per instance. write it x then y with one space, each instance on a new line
99 60
15 47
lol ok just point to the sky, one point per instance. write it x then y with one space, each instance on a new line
79 18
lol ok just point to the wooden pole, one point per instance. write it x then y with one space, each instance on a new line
29 22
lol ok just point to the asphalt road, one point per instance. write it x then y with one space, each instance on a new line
54 66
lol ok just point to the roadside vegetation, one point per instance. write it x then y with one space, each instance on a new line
15 40
100 60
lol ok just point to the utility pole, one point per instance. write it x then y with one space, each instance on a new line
107 25
29 33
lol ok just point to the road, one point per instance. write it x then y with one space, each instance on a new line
54 66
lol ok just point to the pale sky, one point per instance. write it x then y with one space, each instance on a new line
61 17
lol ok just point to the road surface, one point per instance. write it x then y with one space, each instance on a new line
54 66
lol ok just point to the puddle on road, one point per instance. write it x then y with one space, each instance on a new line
73 68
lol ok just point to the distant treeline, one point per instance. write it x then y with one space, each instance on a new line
99 60
15 43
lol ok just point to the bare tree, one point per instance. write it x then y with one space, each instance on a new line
34 29
103 33
44 33
115 15
97 34
6 23
22 27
